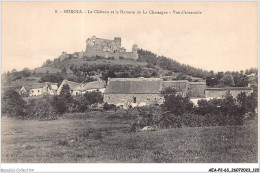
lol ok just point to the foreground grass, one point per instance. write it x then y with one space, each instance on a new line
104 138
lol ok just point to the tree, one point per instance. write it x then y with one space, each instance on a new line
211 81
247 103
93 97
78 104
13 104
227 80
174 103
62 102
109 74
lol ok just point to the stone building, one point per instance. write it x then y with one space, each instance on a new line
108 48
219 93
124 92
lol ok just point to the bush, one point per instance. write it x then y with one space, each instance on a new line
111 58
174 103
93 97
78 104
109 106
40 109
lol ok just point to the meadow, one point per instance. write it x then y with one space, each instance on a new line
103 137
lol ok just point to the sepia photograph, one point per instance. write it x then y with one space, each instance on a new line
129 82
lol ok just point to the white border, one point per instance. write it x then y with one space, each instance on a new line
128 167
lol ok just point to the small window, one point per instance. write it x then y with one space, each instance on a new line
134 98
154 98
38 91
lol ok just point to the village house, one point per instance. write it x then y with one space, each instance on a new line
24 91
80 88
43 88
218 93
126 92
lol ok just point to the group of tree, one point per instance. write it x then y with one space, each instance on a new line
138 71
83 72
52 77
48 106
227 79
15 75
251 70
170 64
179 111
66 103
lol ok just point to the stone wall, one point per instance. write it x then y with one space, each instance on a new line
220 93
141 99
197 90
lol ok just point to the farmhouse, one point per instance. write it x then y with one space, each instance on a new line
219 93
80 88
43 88
124 92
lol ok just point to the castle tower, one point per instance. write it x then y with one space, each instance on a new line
134 51
117 41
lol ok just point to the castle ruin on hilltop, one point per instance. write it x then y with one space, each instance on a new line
104 48
108 48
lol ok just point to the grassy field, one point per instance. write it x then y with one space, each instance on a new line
97 137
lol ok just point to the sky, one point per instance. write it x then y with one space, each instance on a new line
222 38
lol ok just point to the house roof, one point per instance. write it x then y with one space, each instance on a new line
228 88
41 85
27 88
198 83
88 86
69 71
179 85
133 86
91 85
51 83
72 85
38 85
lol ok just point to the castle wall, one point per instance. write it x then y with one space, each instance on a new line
117 55
108 48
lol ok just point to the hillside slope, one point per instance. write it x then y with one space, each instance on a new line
81 69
